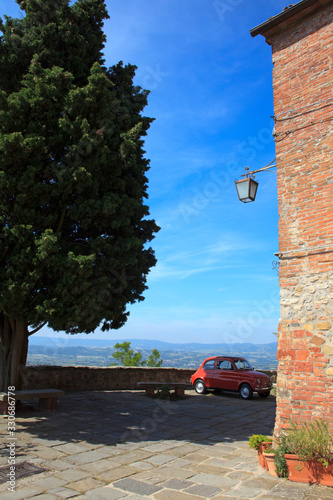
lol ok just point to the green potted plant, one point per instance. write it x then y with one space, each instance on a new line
308 452
260 442
269 456
282 448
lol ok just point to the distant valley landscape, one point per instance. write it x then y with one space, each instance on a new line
98 352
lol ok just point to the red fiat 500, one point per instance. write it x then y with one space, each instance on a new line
231 373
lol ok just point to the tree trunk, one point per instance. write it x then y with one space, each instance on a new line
13 351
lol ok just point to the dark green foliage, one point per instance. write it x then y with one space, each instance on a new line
73 182
280 461
69 37
164 392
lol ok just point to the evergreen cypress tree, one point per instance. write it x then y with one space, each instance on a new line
74 227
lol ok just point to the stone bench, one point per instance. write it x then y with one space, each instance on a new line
150 387
48 398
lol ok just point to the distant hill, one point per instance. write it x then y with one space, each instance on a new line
98 352
151 344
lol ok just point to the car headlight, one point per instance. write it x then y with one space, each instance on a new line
258 382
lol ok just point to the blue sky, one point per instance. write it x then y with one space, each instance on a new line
211 95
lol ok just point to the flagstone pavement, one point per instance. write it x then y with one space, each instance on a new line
122 444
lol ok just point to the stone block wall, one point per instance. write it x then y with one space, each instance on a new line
84 378
302 48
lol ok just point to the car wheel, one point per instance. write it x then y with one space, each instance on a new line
200 387
245 391
264 394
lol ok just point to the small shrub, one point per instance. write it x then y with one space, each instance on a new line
269 449
256 439
164 392
311 440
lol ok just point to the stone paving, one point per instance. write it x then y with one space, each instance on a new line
121 444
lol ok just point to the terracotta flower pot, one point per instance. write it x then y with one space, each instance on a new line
270 461
310 472
261 449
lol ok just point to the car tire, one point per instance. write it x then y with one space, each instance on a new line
200 387
245 391
264 394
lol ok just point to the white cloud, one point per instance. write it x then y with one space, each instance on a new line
162 271
188 262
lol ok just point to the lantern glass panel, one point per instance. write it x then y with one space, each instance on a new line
253 189
243 189
246 189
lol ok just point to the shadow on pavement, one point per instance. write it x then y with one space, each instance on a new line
111 417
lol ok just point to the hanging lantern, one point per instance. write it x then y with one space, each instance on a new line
246 189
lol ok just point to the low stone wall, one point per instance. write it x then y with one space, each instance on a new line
84 378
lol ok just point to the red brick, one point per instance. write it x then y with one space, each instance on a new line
302 355
302 49
300 344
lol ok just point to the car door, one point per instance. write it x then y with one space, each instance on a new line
225 375
208 372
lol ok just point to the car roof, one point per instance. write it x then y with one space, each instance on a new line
225 357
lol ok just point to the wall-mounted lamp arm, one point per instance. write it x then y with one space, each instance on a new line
247 188
252 172
259 170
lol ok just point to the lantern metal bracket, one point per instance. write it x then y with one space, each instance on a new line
247 188
263 169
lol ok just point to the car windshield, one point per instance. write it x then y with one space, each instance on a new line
242 364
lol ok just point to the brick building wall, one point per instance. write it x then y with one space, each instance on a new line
302 49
